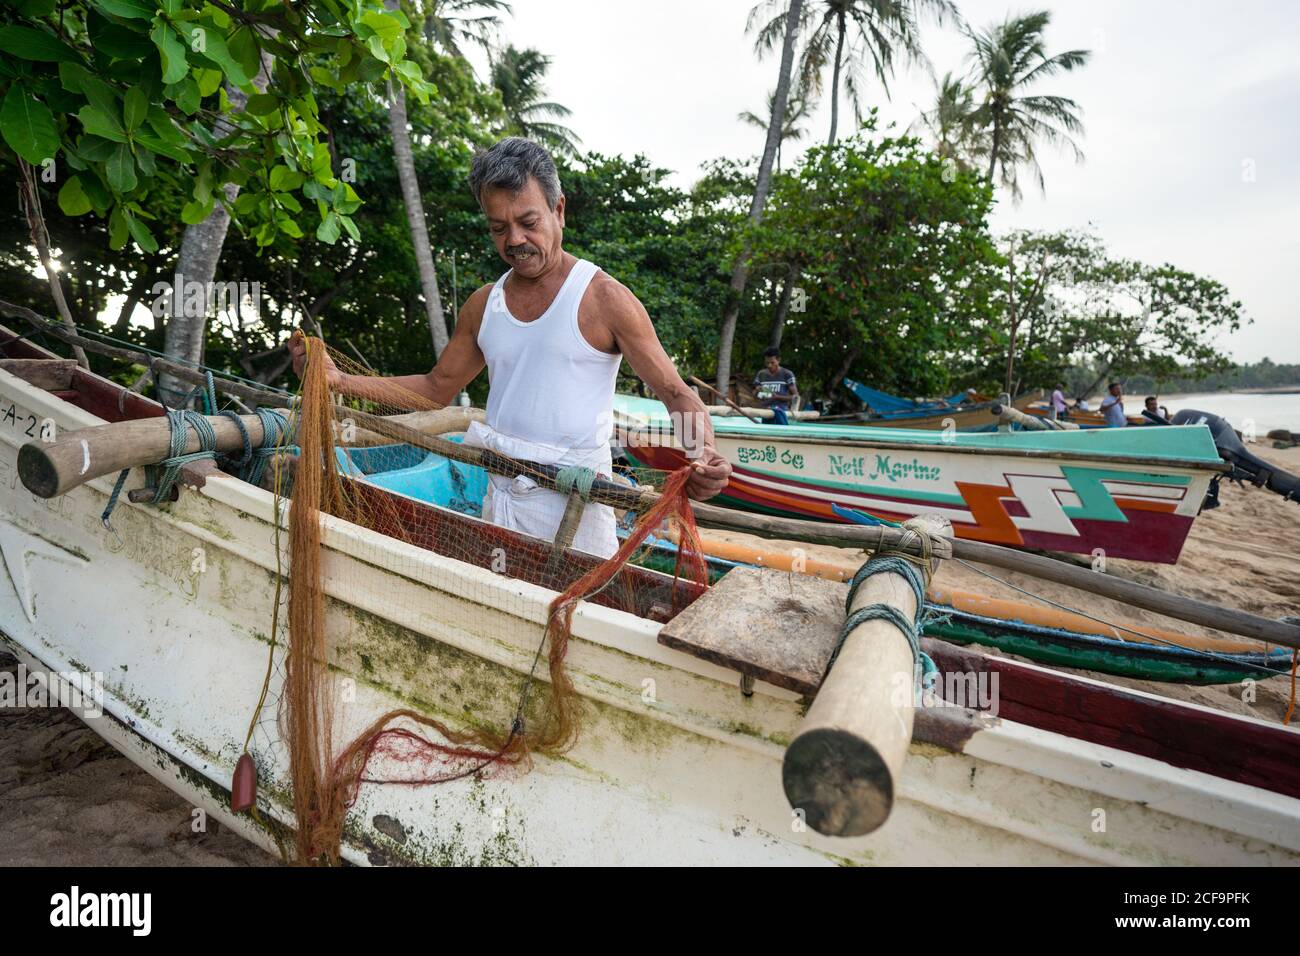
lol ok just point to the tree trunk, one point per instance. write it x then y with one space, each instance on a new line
994 145
835 81
740 271
200 250
833 386
30 201
783 307
415 214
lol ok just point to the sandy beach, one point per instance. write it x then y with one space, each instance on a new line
67 798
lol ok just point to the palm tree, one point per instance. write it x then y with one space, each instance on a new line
797 110
517 76
949 122
762 185
1007 59
415 221
873 30
446 24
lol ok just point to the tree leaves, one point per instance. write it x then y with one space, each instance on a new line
121 170
28 126
136 108
73 200
31 44
130 9
175 66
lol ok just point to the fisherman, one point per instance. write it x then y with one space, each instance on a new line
1112 406
552 332
776 387
1154 413
1059 406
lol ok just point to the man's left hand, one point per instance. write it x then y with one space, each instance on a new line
710 473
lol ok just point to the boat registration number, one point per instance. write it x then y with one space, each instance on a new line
22 420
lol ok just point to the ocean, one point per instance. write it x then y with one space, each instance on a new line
1267 411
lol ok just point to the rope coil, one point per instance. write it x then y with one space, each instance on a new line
915 569
575 478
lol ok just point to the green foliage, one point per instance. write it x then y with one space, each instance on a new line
892 251
660 242
1116 315
1262 374
126 98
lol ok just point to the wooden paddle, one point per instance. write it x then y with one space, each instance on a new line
733 405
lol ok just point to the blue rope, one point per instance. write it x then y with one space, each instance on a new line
170 467
924 669
273 427
575 478
251 463
247 456
112 502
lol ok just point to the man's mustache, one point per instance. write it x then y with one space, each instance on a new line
518 250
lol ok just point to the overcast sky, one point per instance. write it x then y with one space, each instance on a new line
1191 109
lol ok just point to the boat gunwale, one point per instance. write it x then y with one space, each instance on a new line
1187 464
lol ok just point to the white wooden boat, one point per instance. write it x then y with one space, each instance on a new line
675 765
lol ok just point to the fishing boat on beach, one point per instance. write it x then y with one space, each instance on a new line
1084 418
1128 493
964 411
685 730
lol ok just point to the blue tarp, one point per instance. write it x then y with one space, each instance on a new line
882 403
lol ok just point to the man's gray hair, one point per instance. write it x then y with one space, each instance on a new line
509 163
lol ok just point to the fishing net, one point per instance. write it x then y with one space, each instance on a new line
373 462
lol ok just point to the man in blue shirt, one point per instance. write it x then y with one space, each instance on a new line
1112 407
776 386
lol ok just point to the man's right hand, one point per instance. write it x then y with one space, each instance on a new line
297 346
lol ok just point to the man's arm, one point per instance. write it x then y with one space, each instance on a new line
458 365
794 394
634 336
1107 402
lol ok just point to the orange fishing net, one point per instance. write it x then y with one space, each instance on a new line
326 778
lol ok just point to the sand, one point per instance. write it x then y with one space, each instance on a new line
67 798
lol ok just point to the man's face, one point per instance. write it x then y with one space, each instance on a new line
525 229
773 363
1116 390
1151 405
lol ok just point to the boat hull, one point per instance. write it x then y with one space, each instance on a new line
1022 497
674 764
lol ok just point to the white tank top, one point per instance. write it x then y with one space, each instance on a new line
548 384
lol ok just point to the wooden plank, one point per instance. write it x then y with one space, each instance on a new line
770 625
49 374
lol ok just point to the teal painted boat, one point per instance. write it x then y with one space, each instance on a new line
1129 493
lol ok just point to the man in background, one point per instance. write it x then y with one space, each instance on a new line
1112 407
1153 413
776 387
1059 406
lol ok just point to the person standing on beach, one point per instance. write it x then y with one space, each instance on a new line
1112 407
1059 405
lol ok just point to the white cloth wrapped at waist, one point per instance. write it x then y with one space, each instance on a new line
521 504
